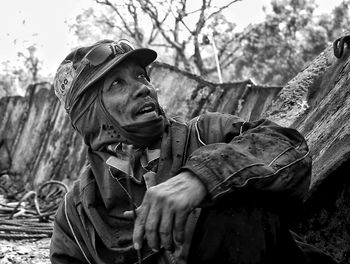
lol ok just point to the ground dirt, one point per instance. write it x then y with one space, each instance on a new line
24 251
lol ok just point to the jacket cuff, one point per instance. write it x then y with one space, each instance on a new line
205 175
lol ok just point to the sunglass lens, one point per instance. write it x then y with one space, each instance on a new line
99 54
125 45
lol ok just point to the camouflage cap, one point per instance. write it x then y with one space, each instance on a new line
86 65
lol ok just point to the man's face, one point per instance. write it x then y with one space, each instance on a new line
128 96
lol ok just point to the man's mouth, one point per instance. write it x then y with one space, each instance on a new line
147 108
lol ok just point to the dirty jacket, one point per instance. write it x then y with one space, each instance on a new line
227 154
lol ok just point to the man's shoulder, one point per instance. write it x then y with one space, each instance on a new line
212 127
75 193
214 117
73 198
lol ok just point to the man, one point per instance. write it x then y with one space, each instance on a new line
217 189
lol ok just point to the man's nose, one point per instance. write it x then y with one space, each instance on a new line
142 90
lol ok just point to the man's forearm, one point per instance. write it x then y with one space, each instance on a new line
267 158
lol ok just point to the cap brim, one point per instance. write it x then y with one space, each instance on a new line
142 56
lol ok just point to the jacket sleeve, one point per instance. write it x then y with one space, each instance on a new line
236 155
64 248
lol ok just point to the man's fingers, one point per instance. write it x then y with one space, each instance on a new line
179 226
139 227
165 209
166 229
130 214
151 227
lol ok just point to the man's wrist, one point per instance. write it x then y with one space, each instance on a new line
193 179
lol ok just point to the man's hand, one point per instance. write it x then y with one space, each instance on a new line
165 209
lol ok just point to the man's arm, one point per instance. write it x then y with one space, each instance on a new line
256 155
234 155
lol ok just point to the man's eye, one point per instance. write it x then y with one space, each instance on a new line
141 76
116 82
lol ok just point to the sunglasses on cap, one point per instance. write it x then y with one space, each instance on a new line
99 54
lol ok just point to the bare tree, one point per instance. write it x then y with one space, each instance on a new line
31 62
172 28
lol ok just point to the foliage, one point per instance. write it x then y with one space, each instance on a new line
338 21
11 79
15 77
277 49
31 62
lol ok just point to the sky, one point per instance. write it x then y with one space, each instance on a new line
45 23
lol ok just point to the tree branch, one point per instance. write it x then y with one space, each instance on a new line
222 8
181 14
148 8
161 45
125 24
